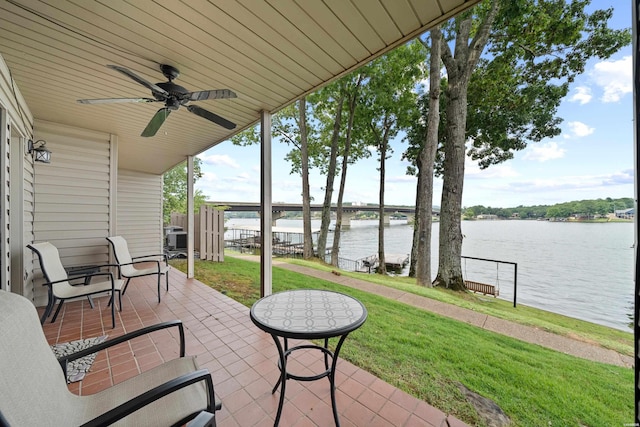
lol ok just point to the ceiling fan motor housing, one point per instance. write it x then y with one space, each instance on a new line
169 71
177 94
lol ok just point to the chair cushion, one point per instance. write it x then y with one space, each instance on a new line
50 261
33 388
65 290
120 249
163 412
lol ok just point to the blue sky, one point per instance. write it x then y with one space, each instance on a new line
592 157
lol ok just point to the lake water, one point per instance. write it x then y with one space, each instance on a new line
582 270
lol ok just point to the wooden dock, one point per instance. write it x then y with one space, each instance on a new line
396 261
392 261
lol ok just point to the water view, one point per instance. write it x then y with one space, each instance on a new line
582 270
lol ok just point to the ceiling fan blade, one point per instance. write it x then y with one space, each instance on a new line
115 100
133 76
211 116
201 95
156 121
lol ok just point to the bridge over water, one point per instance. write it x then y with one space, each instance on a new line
349 210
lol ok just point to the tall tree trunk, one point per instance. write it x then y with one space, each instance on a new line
450 242
307 248
382 265
459 70
416 219
331 174
335 249
426 165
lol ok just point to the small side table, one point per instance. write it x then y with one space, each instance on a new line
308 314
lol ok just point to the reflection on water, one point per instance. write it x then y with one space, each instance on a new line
580 270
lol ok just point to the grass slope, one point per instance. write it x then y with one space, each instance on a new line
614 339
427 356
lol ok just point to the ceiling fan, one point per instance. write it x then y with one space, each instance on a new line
173 97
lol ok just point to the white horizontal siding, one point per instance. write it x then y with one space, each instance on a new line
72 199
16 123
139 216
27 228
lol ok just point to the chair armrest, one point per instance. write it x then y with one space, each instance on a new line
106 265
157 261
123 338
154 394
103 273
203 419
5 423
163 256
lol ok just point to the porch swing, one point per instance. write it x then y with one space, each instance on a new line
483 288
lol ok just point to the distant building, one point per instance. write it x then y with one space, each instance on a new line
487 216
626 213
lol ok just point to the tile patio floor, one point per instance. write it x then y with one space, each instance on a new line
240 357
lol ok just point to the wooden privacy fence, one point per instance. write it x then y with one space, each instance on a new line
208 232
211 233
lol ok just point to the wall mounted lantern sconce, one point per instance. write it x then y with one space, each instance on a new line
39 151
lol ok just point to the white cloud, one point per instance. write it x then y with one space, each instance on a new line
220 160
614 77
551 190
576 182
241 177
500 171
224 190
402 179
544 152
579 129
581 94
208 176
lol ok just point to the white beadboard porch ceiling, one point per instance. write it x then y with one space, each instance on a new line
270 52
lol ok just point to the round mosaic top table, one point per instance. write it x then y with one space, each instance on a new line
308 314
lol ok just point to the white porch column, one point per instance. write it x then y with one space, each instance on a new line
265 204
635 21
190 219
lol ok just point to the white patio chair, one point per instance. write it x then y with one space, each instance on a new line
127 263
34 392
61 290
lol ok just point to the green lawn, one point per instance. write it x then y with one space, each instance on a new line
428 355
614 339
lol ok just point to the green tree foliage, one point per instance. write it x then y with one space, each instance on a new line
469 213
291 126
389 102
285 129
584 208
509 97
352 95
535 50
174 189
